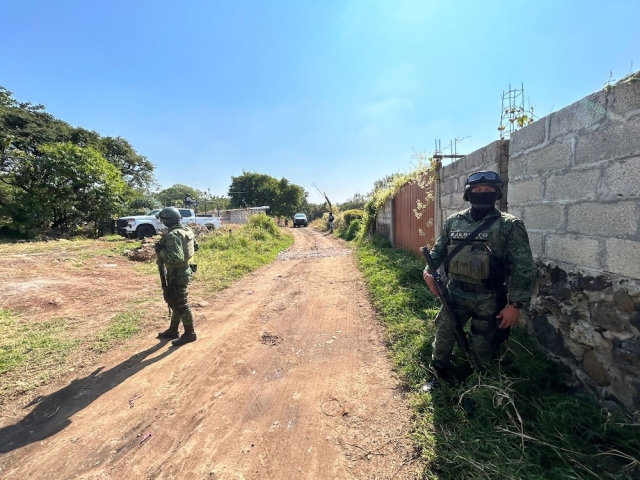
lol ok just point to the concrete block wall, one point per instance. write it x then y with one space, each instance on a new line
453 176
574 178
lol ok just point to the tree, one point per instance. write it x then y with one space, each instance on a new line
358 201
174 195
62 187
256 189
27 128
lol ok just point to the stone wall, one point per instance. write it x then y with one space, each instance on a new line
574 178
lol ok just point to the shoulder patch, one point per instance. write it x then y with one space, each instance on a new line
171 242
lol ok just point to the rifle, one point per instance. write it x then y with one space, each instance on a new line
448 306
163 281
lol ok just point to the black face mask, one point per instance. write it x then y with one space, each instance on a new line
483 200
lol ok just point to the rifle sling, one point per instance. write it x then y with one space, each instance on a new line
487 223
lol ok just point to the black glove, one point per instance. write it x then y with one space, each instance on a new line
157 247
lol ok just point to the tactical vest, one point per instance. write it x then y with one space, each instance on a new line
188 245
481 258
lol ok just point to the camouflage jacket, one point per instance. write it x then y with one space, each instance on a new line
180 245
507 240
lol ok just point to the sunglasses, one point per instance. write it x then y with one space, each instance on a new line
486 176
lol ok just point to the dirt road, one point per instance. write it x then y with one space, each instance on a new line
288 379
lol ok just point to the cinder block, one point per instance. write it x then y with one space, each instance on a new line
581 114
573 249
524 191
573 186
446 171
625 97
536 241
548 217
528 137
475 160
606 219
458 166
459 183
518 167
615 140
494 150
623 257
622 178
555 156
517 212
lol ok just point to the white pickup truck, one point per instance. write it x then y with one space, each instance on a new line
148 225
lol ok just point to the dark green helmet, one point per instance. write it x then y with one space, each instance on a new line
170 216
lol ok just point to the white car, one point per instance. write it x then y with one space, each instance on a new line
148 225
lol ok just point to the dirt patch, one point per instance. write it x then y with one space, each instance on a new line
289 379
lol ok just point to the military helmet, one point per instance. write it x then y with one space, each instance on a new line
486 177
170 216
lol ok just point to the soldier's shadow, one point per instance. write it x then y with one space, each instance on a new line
53 411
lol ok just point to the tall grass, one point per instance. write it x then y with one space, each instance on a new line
225 256
525 425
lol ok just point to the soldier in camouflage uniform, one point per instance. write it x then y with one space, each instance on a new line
489 279
176 250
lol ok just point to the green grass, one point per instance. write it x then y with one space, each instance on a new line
224 257
31 352
122 326
527 424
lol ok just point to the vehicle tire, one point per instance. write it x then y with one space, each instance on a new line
210 226
145 231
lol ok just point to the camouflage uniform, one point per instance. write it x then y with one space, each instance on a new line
508 243
179 245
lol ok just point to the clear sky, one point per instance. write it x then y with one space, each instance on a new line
325 92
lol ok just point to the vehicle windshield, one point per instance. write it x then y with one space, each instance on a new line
300 215
153 213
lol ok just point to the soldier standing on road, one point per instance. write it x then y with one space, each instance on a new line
490 278
176 250
330 222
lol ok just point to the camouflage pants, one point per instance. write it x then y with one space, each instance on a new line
481 309
177 282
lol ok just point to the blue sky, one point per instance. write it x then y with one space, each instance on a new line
332 93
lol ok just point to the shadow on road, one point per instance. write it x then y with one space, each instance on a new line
53 411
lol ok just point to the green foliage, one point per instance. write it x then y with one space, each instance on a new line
256 189
30 351
174 195
122 326
353 230
349 216
526 425
225 256
388 187
38 150
142 204
64 186
357 202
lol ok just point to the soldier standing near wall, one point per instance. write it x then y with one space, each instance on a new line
490 275
176 250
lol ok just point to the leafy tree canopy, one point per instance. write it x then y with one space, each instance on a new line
62 187
174 195
256 189
26 127
358 201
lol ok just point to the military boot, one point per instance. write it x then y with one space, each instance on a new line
187 337
437 375
171 332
